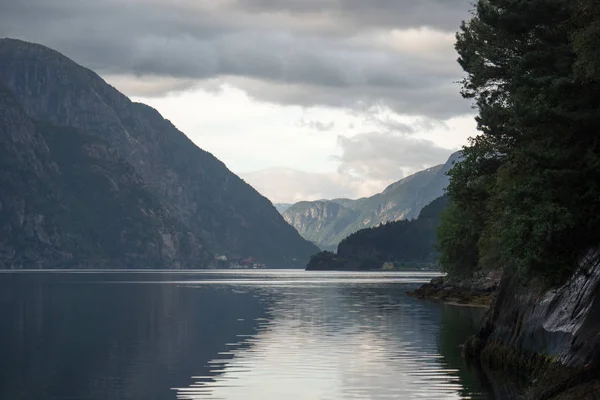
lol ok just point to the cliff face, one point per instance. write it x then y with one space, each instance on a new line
68 200
321 222
196 205
562 324
400 243
327 222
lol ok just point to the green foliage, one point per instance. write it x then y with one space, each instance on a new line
458 236
325 260
400 241
586 39
370 263
327 222
403 243
527 194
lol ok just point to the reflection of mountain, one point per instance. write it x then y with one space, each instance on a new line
349 341
288 335
113 341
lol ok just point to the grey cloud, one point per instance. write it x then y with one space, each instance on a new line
438 102
317 125
390 125
369 162
441 14
277 58
145 86
285 185
387 156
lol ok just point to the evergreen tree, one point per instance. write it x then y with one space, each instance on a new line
527 195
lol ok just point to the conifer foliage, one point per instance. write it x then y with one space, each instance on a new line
527 194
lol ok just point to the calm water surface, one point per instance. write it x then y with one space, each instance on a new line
255 335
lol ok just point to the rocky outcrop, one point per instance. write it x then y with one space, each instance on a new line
327 222
476 290
561 324
192 205
68 200
551 335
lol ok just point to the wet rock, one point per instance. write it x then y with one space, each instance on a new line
562 323
477 290
551 335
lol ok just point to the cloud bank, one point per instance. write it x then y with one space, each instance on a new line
341 53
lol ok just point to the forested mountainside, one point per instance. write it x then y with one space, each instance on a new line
396 244
327 222
90 178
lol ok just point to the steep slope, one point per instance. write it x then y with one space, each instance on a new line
405 242
68 200
401 200
209 204
320 221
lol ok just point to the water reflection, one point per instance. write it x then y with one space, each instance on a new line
259 335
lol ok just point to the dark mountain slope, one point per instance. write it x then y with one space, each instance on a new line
209 204
49 216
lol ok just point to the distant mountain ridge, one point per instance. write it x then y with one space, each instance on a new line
394 245
327 222
281 207
90 178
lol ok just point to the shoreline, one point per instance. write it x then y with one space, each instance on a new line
477 291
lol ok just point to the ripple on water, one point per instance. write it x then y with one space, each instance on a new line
251 335
347 338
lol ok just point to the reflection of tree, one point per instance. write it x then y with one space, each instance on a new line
136 341
344 341
109 341
457 324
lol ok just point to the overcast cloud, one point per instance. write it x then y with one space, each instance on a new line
332 52
353 55
387 157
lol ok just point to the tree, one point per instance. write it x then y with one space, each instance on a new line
528 186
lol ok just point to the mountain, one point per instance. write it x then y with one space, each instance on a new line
399 244
90 178
327 222
321 222
281 207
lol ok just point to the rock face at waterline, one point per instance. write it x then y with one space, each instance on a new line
91 179
550 335
561 324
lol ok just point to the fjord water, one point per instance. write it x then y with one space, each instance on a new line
251 335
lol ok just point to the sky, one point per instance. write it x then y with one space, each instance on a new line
304 99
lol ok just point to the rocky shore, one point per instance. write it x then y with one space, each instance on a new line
534 343
475 291
549 336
